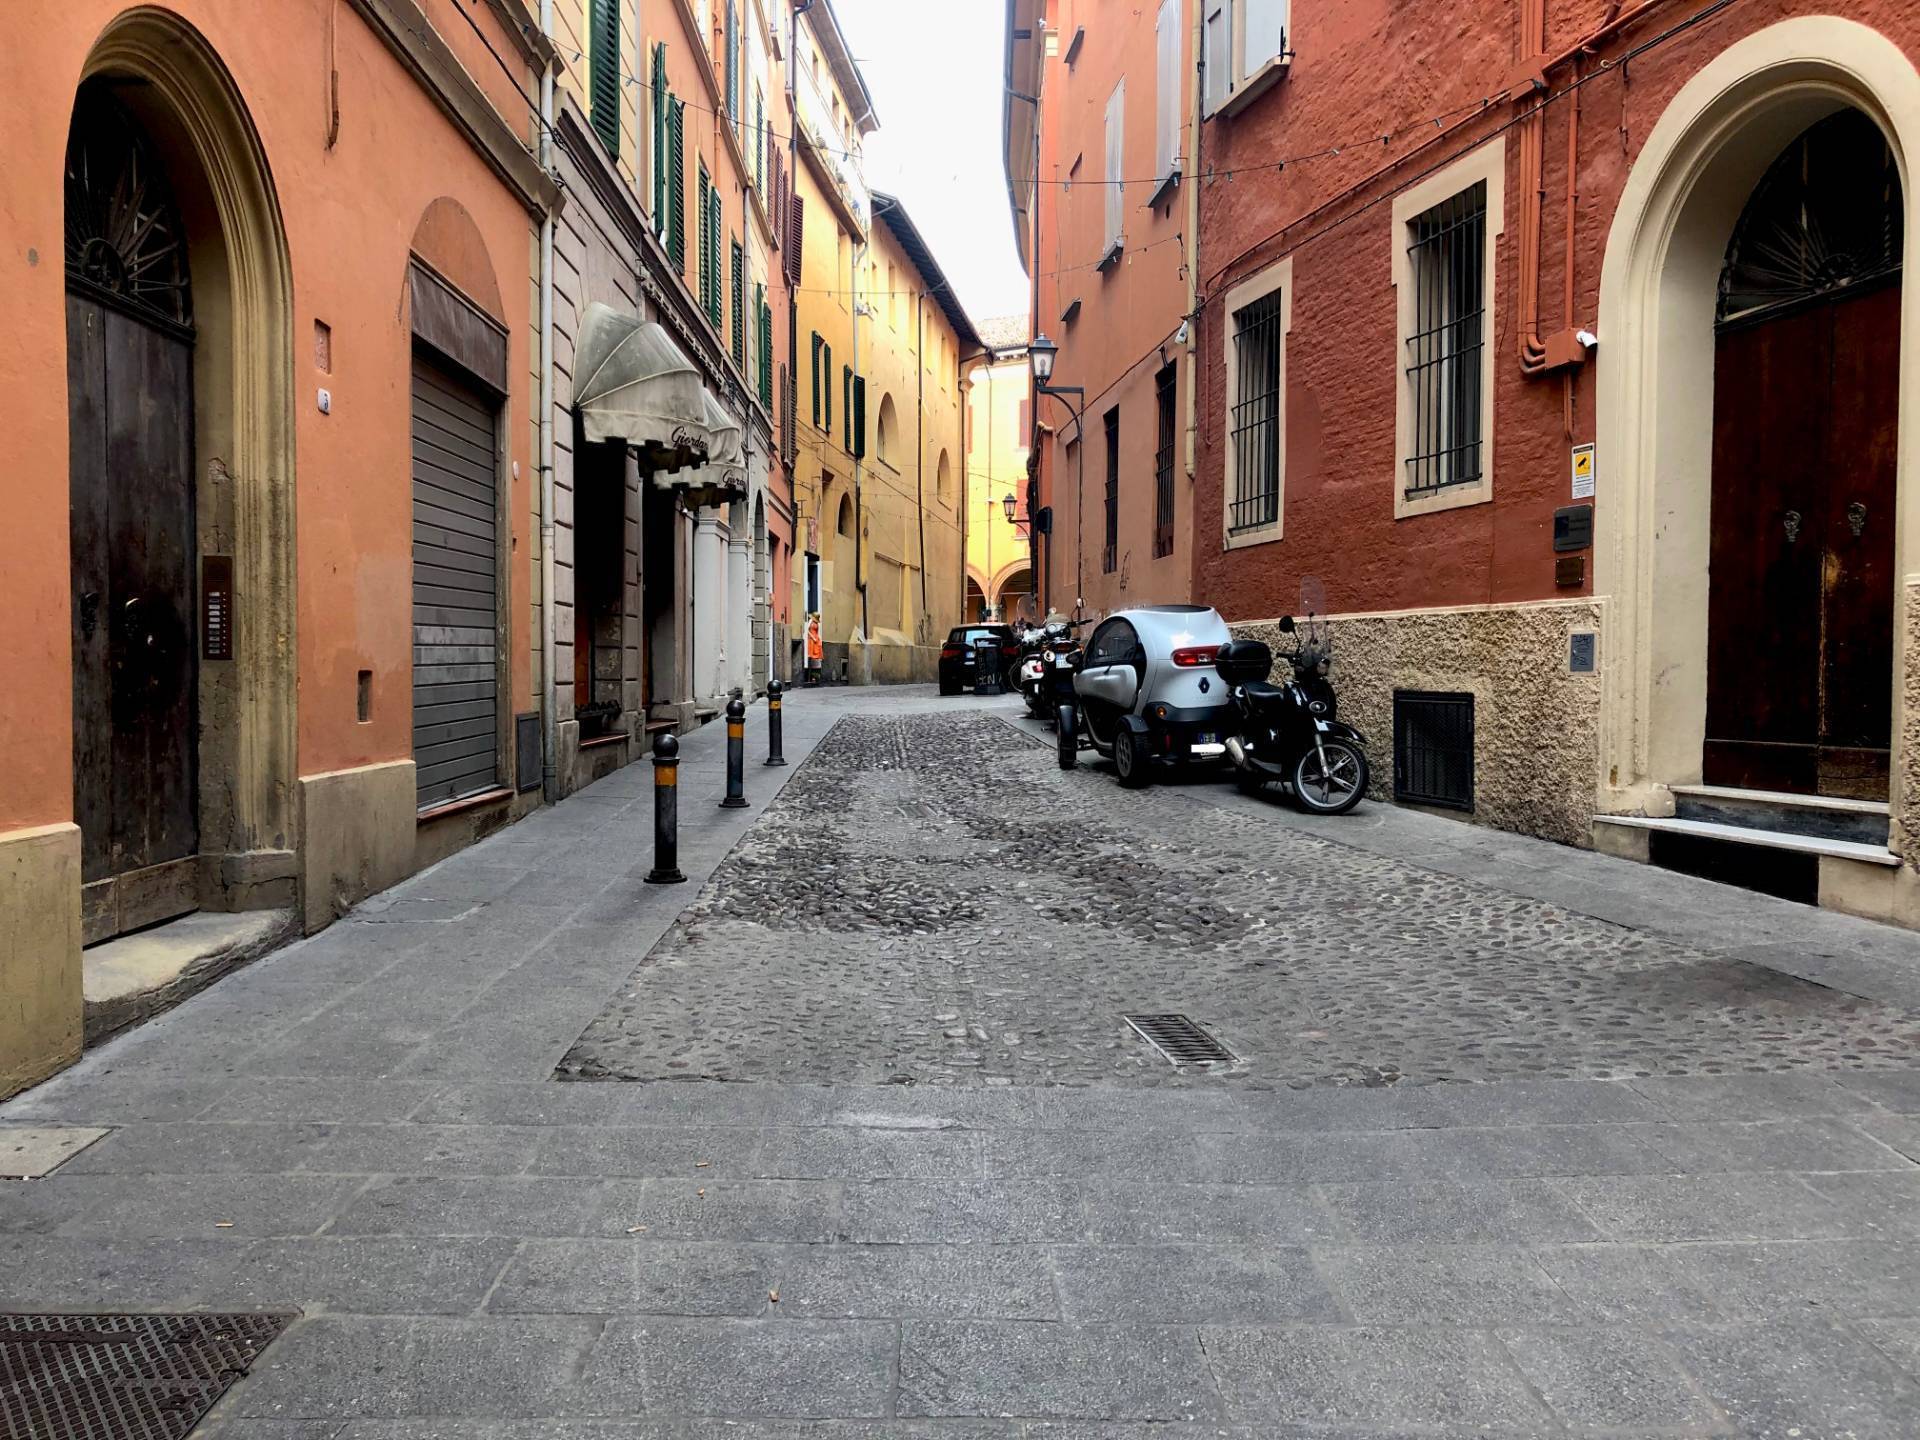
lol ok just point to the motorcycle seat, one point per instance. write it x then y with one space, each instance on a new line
1264 692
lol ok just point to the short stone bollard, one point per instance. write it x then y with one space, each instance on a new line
666 811
736 755
774 691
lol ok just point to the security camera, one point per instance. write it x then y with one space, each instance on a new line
1180 335
1586 338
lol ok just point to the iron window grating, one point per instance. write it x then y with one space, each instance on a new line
1446 263
1180 1040
1163 463
1255 421
1433 748
1110 552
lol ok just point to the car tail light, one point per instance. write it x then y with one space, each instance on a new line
950 652
1191 656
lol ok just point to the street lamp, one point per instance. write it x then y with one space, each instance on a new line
1006 505
1041 352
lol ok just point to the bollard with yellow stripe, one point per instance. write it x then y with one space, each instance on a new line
775 692
666 811
736 755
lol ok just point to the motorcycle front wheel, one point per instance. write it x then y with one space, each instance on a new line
1335 786
1067 736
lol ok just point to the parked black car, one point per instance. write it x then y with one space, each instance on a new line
956 656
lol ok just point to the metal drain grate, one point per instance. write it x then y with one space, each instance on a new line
122 1377
1180 1040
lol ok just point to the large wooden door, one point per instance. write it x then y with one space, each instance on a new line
1805 425
1800 620
130 397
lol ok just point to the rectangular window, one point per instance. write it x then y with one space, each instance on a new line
1116 170
765 313
859 417
733 62
1254 420
816 378
739 305
1110 552
1241 39
846 407
1163 404
1445 348
603 83
1166 99
1433 748
760 141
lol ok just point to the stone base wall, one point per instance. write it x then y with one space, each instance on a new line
40 1005
892 662
358 833
1536 724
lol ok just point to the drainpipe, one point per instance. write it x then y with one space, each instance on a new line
859 497
549 719
1190 382
920 448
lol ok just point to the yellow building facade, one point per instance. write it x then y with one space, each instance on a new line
881 345
1000 583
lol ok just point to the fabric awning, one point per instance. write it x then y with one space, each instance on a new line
724 477
632 383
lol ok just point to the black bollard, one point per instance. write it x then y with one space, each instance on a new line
774 692
666 811
736 755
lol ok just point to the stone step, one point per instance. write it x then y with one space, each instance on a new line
1827 817
1818 845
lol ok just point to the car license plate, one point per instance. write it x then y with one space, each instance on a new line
1205 737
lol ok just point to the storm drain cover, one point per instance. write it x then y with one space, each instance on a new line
121 1377
1180 1040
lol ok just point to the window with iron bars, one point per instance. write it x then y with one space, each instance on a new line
1256 415
1446 347
1110 553
1163 463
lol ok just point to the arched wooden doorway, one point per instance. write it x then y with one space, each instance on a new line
1806 423
130 342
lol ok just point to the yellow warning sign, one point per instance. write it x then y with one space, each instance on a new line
1582 472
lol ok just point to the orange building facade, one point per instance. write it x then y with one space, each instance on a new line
268 573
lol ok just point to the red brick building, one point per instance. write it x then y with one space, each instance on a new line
1565 348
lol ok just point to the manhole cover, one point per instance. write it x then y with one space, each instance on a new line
1180 1040
121 1377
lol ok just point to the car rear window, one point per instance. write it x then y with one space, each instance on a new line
967 635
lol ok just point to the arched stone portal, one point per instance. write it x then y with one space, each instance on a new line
1659 301
155 74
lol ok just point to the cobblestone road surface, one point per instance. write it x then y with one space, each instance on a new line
932 900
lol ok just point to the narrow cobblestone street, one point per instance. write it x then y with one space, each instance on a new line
847 1139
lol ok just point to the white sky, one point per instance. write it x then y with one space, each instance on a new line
935 68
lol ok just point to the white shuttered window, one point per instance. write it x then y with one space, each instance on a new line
1243 38
1166 100
1116 164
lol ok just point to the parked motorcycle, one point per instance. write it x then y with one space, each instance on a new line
1061 663
1291 732
1033 667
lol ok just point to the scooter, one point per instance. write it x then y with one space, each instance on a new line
1040 647
1291 733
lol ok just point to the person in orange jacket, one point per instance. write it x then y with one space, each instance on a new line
816 651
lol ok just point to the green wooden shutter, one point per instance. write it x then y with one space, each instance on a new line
677 183
816 378
715 295
659 94
846 407
760 142
604 72
765 312
859 417
705 241
739 297
733 63
826 368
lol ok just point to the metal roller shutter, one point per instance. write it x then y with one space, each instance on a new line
456 658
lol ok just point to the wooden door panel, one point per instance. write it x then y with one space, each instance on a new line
1770 386
151 545
87 509
1857 609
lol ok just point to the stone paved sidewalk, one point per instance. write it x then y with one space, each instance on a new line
366 1128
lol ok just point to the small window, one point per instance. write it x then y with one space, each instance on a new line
844 523
1446 350
885 435
943 480
1433 748
1164 424
1110 551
